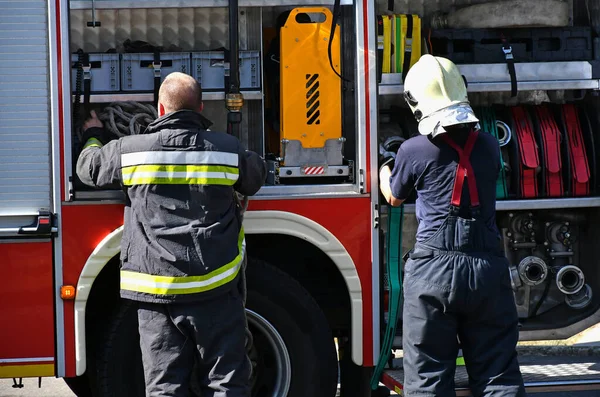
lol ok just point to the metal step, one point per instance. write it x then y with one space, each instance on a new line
554 373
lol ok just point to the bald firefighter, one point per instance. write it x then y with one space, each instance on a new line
183 242
456 278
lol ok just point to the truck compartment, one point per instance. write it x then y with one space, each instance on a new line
548 191
133 49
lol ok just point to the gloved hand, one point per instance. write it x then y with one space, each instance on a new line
388 150
93 128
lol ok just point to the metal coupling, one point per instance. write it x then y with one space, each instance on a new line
533 270
581 299
570 279
515 280
234 102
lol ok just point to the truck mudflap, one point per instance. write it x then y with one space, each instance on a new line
543 371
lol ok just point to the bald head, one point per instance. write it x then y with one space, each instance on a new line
179 91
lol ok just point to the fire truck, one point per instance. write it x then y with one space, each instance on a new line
315 86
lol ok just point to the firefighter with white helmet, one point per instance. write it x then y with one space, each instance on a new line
456 278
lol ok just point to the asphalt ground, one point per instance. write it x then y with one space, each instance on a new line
53 387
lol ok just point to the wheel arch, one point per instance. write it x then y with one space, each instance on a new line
256 223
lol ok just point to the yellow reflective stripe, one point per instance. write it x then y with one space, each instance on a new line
93 142
185 174
162 285
26 371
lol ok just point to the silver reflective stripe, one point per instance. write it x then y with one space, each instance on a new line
184 174
177 157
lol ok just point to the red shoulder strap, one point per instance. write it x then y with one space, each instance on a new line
464 170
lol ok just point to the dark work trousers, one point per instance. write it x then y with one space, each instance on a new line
457 283
173 336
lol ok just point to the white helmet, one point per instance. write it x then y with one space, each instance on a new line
437 95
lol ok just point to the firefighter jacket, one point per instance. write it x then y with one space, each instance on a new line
182 237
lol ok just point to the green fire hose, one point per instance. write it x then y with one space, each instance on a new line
394 271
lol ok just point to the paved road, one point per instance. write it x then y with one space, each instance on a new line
52 387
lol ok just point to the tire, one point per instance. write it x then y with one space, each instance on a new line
119 370
80 386
288 328
300 323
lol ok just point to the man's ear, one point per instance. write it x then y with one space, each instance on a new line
201 107
161 110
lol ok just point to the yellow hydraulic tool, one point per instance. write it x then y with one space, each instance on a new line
310 91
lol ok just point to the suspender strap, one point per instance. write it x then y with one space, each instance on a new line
407 46
579 162
550 135
528 152
156 65
464 170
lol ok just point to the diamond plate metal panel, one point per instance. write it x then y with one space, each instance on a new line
24 108
547 369
187 29
424 8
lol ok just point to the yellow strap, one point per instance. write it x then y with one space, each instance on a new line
386 66
162 285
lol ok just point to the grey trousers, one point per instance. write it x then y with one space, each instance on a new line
174 337
453 295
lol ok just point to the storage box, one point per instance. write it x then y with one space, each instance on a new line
104 72
208 68
137 72
528 45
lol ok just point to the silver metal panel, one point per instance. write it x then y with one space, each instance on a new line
541 204
530 71
294 154
265 193
424 8
296 172
374 180
505 86
24 108
103 4
58 22
149 97
188 29
530 76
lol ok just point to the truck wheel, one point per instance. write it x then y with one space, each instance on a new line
119 370
293 352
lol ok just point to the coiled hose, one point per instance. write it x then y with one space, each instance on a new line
127 118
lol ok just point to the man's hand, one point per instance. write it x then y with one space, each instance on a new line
94 121
384 185
93 132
